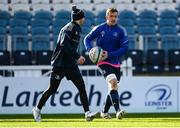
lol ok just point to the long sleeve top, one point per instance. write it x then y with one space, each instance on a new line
113 39
65 53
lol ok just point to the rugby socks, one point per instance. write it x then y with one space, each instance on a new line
115 99
107 105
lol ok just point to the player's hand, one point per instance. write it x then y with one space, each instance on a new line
104 55
81 60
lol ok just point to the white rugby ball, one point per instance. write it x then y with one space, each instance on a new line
95 54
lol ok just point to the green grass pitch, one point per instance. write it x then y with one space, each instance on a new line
158 120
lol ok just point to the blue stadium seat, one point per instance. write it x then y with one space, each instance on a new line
155 60
43 14
18 23
63 14
40 30
40 22
2 38
131 37
100 21
127 14
22 57
4 57
19 38
85 30
127 22
101 14
174 60
146 22
89 23
89 15
169 14
40 38
5 16
169 37
3 23
59 23
149 37
167 22
24 15
55 35
148 14
81 46
43 57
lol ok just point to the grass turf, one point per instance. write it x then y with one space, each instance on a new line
158 120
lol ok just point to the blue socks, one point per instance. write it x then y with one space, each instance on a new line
112 99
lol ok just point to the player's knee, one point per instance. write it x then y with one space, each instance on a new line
112 82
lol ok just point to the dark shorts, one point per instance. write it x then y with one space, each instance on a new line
69 73
108 69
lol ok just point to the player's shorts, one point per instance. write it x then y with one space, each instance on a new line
69 73
106 69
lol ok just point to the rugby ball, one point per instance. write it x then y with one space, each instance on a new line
95 54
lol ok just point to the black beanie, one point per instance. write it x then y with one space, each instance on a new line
76 14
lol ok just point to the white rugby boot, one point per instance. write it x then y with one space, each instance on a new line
36 114
120 114
90 115
105 115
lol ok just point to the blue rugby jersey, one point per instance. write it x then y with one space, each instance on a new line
113 39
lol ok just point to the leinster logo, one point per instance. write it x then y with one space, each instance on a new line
158 96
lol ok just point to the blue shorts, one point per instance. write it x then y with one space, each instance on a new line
106 69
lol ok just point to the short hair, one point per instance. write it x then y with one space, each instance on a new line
111 10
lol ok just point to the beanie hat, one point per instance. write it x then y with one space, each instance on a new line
77 14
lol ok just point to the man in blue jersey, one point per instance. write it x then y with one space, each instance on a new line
114 41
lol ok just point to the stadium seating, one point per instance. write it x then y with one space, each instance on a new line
150 39
63 14
155 61
34 24
137 57
131 37
25 15
43 57
40 38
4 57
169 38
5 16
22 57
43 14
19 23
3 38
19 38
174 60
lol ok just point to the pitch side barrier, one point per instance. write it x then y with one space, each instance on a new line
38 70
138 94
18 95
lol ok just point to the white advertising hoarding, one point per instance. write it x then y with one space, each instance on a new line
137 94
